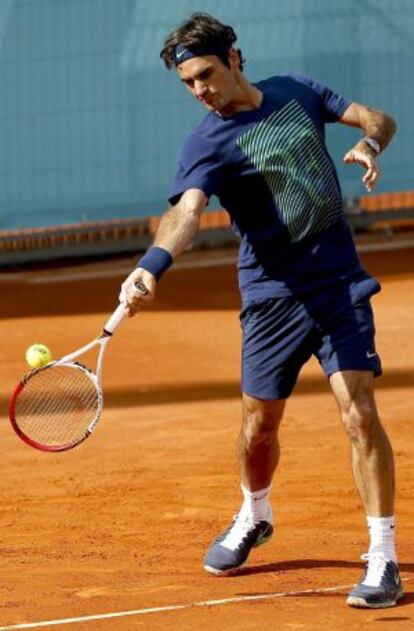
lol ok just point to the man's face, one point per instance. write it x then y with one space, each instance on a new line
209 80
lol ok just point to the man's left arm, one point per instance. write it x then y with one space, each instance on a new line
378 128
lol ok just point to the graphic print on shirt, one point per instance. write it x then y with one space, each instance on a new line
289 153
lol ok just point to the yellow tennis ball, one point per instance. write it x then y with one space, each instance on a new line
38 355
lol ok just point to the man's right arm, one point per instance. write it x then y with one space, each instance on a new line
176 230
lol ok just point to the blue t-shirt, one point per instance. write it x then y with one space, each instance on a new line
271 171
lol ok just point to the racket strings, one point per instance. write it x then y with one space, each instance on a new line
57 405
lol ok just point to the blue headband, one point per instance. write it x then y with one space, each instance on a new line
181 53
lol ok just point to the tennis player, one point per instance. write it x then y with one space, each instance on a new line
261 149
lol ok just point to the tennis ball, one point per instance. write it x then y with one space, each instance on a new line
38 355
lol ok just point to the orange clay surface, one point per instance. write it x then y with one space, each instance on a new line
122 523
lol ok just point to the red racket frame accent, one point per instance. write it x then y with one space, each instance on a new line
102 340
26 439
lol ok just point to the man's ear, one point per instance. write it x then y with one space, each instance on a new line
234 58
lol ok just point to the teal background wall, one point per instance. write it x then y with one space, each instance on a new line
91 122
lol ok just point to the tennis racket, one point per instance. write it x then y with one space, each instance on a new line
56 407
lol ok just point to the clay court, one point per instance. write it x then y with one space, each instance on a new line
121 524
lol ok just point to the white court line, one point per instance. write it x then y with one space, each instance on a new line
124 271
63 277
92 274
202 603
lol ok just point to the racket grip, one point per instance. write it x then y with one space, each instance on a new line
116 318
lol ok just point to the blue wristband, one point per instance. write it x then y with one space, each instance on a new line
156 261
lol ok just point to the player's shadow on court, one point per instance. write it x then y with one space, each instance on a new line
163 394
297 564
308 564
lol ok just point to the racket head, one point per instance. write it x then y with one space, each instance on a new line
55 408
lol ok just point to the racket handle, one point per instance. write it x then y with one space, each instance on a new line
121 311
116 318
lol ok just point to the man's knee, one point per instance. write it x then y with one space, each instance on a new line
354 393
261 420
360 419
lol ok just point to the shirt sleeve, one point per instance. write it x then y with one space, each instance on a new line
333 105
199 166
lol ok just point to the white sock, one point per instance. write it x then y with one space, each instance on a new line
382 537
256 505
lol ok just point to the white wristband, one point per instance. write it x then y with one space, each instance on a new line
372 144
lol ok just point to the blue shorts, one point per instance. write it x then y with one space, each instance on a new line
281 334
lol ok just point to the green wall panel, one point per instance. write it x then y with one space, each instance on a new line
91 122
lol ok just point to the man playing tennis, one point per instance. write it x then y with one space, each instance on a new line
261 150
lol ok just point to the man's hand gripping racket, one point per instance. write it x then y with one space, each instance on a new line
56 407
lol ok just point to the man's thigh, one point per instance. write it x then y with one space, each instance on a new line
347 340
277 341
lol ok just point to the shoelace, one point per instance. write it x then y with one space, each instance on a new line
377 564
238 532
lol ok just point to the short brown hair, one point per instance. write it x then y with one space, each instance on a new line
198 33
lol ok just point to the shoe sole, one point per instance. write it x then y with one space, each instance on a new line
355 601
235 570
231 572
